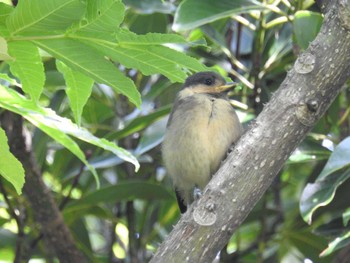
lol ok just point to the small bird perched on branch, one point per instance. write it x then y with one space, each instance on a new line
201 128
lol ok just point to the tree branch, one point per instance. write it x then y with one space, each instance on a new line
21 246
55 232
304 96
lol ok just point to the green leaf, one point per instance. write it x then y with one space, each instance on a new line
143 24
28 67
336 244
73 213
306 25
79 88
309 150
90 62
5 10
44 119
102 16
322 192
9 80
125 191
126 38
10 168
59 128
49 17
338 160
346 217
305 241
3 50
153 59
193 13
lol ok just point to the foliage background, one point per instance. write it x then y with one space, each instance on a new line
127 102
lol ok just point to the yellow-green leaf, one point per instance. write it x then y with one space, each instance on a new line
79 88
10 168
27 66
90 62
59 128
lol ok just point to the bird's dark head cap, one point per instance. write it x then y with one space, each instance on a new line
207 82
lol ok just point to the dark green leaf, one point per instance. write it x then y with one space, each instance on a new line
321 193
306 26
346 217
10 168
143 24
125 191
335 172
193 13
338 160
337 244
309 151
306 242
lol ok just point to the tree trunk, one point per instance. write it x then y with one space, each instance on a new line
55 232
303 97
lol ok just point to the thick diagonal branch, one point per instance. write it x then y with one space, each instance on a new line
308 90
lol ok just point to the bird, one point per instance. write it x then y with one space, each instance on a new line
200 130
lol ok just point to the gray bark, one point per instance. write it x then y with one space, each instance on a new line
308 90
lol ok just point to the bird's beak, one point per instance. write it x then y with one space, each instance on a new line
226 86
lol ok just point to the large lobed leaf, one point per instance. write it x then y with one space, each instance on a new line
87 60
44 17
102 16
46 23
10 168
85 34
322 192
154 59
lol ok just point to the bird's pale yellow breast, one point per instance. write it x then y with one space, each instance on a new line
200 131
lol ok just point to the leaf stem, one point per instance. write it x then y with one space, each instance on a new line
29 38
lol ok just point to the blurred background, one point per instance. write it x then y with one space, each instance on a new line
253 43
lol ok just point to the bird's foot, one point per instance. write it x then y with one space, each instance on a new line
197 193
230 149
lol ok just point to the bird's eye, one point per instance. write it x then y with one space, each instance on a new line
208 82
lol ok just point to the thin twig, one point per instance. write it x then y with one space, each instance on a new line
21 248
67 198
